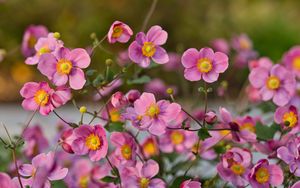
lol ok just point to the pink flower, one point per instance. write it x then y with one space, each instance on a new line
126 147
292 60
142 175
177 140
241 43
66 139
30 37
220 45
107 89
287 117
44 45
7 182
277 83
203 64
35 141
42 170
146 47
66 66
150 147
253 94
40 96
296 185
159 87
263 175
190 184
120 32
153 115
234 166
90 140
261 62
174 62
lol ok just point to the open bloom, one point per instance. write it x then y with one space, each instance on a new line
90 140
190 184
290 154
150 147
177 140
42 170
39 96
287 117
142 176
234 166
44 45
66 66
292 60
126 147
153 115
261 62
120 32
263 175
277 83
6 181
147 47
30 37
204 64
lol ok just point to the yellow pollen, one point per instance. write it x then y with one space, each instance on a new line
237 169
139 117
32 41
117 32
273 82
126 151
148 49
93 142
150 148
83 181
224 132
44 50
153 110
245 44
144 183
204 65
64 66
114 115
195 146
248 126
177 137
296 63
262 175
291 118
41 97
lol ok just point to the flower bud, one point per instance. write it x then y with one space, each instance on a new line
210 117
56 35
170 91
82 109
133 95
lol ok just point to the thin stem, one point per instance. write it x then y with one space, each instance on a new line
191 116
149 14
16 166
176 128
62 118
98 44
113 168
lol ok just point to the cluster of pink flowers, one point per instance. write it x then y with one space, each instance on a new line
144 139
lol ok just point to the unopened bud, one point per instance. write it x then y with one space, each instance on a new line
82 109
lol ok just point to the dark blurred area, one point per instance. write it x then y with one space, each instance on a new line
271 24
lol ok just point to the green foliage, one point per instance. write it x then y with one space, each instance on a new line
115 127
203 133
58 184
179 180
142 80
264 132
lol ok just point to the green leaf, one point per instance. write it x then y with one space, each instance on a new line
179 180
142 80
109 75
115 127
98 80
264 132
110 179
203 133
90 72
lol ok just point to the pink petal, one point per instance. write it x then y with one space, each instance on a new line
192 74
117 139
77 79
59 79
150 169
157 35
220 62
258 77
190 57
79 147
26 170
30 104
29 89
172 111
276 175
80 58
58 174
210 77
135 52
266 93
158 127
281 97
206 53
160 56
142 104
47 65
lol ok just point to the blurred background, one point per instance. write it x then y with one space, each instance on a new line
272 25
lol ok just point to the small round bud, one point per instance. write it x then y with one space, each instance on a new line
224 84
287 123
56 35
124 70
109 62
228 147
93 35
170 91
82 109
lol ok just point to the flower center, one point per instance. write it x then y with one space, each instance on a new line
273 82
41 97
44 50
92 142
148 49
64 66
296 63
126 151
204 65
83 181
262 175
144 182
245 44
32 41
153 110
237 169
177 137
150 148
248 126
290 119
117 32
114 115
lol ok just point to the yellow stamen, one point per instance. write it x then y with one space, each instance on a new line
43 50
126 151
291 118
64 66
237 169
273 82
83 181
93 142
150 148
115 115
32 41
153 110
144 183
177 137
148 49
41 97
204 65
296 63
248 126
262 175
117 32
